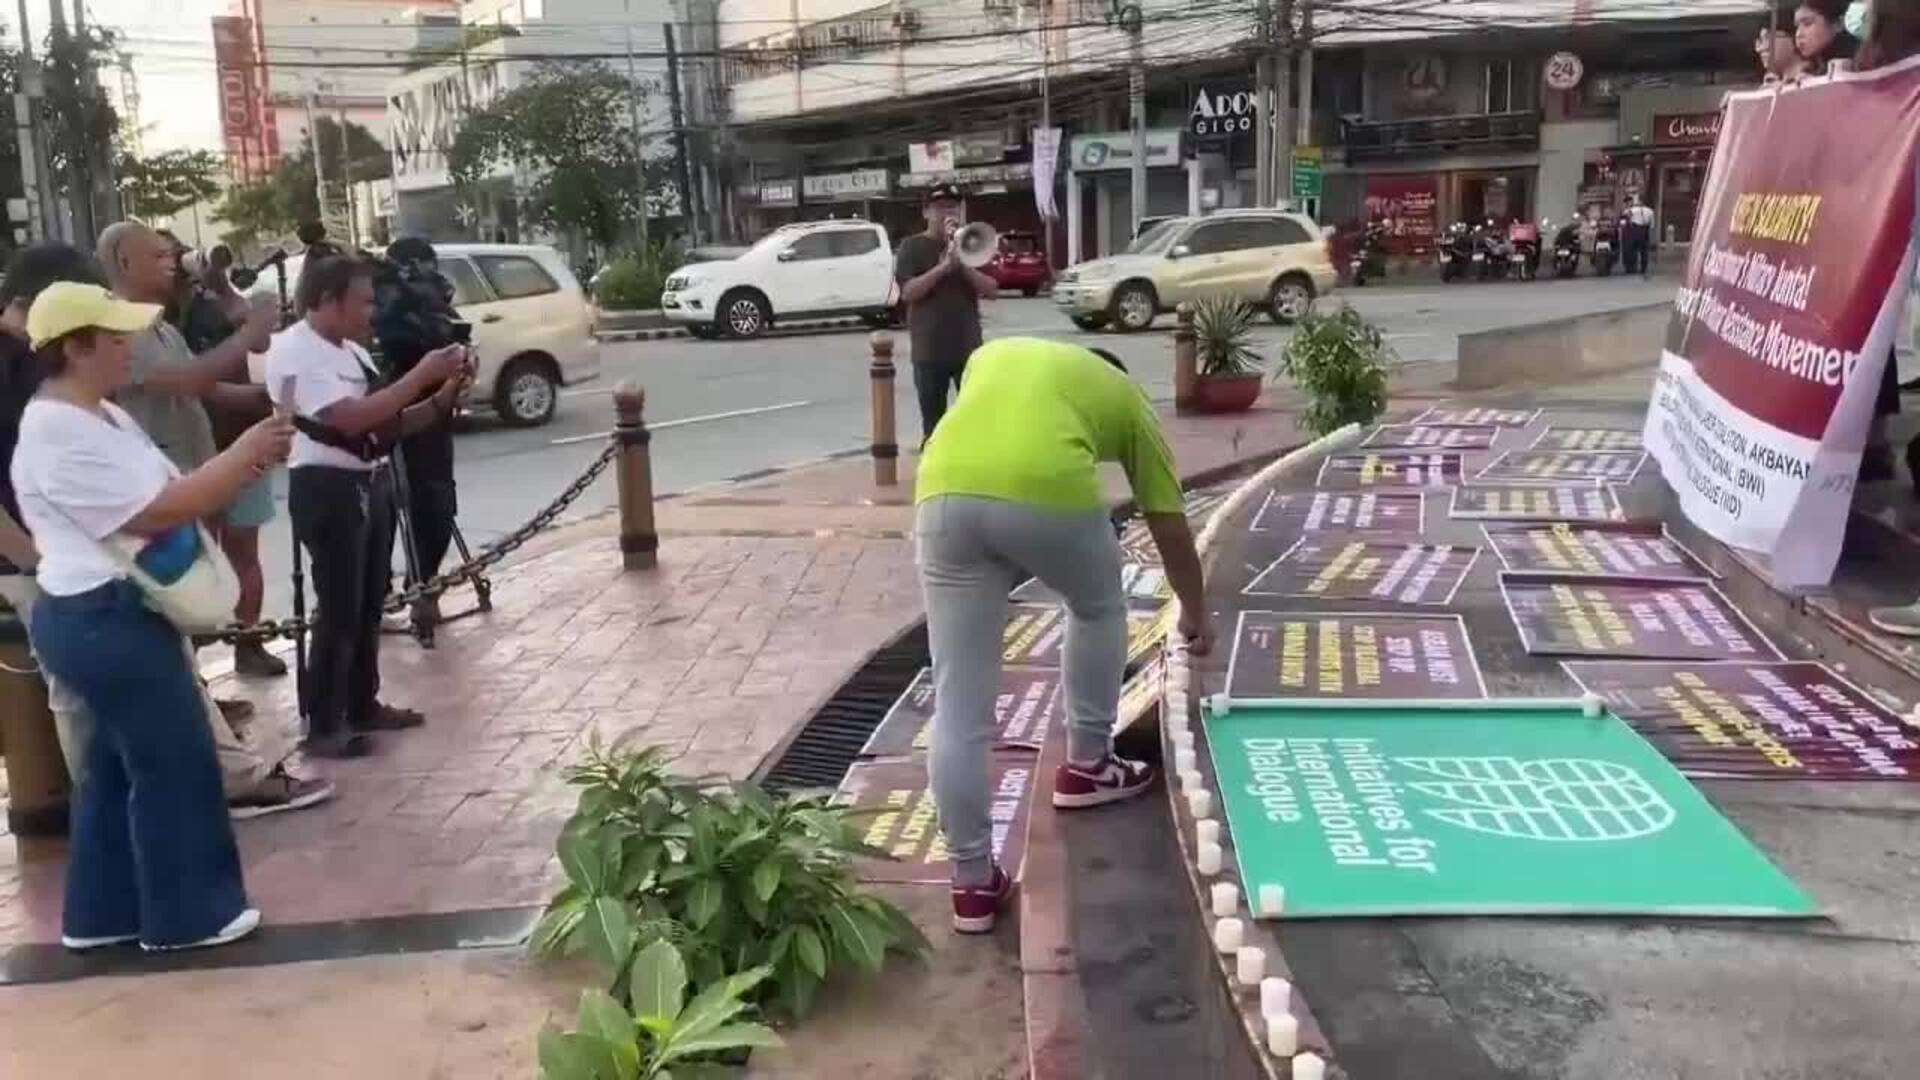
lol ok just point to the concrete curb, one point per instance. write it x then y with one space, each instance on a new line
657 333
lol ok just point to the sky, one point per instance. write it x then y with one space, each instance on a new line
172 46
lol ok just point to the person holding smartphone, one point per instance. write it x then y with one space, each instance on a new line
340 488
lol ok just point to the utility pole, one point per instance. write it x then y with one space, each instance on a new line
1137 113
79 191
1305 135
689 195
1046 117
33 147
1263 105
346 169
319 158
633 123
103 195
1283 133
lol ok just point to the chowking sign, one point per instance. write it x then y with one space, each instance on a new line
1780 331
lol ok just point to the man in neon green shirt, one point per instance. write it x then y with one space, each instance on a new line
1008 488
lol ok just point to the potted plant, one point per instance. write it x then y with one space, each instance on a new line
1339 362
1230 372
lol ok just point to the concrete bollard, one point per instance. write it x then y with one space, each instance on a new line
639 542
1186 365
36 773
886 450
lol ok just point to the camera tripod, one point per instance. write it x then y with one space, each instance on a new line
422 622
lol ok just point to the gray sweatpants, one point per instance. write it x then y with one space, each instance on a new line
972 552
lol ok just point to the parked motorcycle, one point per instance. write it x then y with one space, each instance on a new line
1523 250
1369 257
1489 251
1456 251
1566 249
1606 247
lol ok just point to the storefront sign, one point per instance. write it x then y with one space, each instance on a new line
1475 415
860 184
1359 655
1476 807
779 193
972 176
1407 208
1528 502
1114 150
1789 721
1221 113
931 156
1390 468
1773 358
1292 513
1563 71
1587 439
1631 549
1624 618
1429 437
979 148
1368 569
1597 467
1307 168
1683 129
895 803
1028 698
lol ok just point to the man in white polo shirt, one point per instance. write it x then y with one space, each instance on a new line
340 490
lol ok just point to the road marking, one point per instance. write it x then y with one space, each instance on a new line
665 424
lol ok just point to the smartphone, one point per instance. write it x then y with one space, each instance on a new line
283 401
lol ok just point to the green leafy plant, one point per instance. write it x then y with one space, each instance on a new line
1222 331
636 279
733 878
1339 361
664 1036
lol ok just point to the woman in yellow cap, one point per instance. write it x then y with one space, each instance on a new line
152 856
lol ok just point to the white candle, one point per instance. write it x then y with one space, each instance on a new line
1184 759
1177 704
1283 1035
1226 935
1181 736
1179 676
1226 898
1199 800
1211 859
1309 1067
1276 998
1590 705
1207 830
1250 964
1191 780
1273 900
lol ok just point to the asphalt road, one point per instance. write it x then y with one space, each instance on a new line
719 409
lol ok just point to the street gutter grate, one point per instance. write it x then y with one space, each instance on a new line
832 738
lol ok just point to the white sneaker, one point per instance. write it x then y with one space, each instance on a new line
82 944
243 924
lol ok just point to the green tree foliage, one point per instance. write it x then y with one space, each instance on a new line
273 206
163 184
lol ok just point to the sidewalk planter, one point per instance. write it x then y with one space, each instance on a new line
1230 372
1228 393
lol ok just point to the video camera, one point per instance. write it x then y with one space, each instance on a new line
413 306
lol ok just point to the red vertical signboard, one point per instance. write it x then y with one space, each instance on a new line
242 107
1407 205
1783 324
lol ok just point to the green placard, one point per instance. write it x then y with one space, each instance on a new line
1306 172
1422 808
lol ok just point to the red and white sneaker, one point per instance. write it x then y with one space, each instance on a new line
977 907
1112 780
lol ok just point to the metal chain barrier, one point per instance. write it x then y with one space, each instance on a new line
268 629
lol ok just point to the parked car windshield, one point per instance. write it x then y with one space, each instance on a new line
1155 240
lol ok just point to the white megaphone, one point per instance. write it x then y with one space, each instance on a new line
976 243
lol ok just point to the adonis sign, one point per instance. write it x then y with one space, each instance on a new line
1782 327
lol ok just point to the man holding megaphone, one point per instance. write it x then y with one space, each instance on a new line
942 293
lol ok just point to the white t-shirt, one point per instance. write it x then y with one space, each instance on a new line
323 373
81 476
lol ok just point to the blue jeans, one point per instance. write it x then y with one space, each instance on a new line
151 851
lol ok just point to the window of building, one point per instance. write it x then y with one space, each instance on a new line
1499 89
514 276
467 288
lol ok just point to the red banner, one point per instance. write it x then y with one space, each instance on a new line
1408 207
1779 334
244 114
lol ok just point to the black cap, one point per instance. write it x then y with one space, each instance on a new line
946 190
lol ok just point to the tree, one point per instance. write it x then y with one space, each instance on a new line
79 118
362 158
285 197
561 125
164 184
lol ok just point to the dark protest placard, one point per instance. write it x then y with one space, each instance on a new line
1141 693
1759 721
1367 570
1028 698
896 810
1626 618
1307 654
1475 416
1145 585
1592 466
1036 634
1588 439
1296 512
1391 468
1534 502
1431 437
1632 549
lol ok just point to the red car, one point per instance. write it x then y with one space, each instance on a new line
1021 263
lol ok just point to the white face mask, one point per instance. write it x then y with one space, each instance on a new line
1855 19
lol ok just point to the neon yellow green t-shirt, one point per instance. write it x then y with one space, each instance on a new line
1033 420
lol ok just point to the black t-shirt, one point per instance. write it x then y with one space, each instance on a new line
943 328
19 378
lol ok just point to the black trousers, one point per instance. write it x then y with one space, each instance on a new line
1639 248
930 384
344 518
432 501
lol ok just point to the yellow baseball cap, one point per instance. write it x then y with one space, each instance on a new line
66 306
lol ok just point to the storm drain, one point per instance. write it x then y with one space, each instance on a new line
832 738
